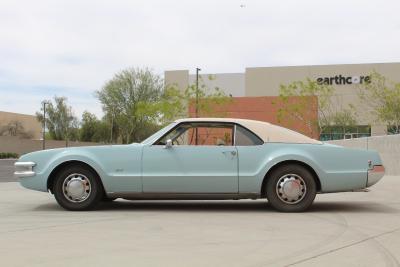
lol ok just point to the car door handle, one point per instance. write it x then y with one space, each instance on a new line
233 152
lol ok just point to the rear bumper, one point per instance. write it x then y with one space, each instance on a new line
375 174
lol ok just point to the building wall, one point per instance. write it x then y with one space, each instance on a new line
231 83
177 78
263 109
29 122
266 81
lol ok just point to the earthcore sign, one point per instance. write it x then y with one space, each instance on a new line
344 80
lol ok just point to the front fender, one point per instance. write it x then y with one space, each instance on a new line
47 161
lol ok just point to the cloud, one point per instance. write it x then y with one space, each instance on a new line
73 47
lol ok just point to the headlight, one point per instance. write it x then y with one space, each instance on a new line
24 169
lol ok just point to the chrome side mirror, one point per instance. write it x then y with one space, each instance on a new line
168 143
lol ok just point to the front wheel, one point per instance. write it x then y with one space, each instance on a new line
77 188
291 188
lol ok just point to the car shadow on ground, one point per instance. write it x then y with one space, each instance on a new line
232 206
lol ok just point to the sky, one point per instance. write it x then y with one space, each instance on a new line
72 48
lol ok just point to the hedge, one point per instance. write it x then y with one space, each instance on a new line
8 155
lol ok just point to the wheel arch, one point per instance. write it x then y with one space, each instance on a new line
61 166
288 162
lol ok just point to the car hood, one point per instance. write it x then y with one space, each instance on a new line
48 153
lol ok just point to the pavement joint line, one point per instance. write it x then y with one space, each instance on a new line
344 247
61 225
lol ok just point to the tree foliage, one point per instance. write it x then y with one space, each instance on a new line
135 103
330 110
60 120
344 118
94 130
382 97
303 107
210 100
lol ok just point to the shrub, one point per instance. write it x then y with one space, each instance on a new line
8 155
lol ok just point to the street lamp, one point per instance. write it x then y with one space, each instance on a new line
197 103
197 92
112 125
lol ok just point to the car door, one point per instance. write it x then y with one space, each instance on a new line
201 159
253 155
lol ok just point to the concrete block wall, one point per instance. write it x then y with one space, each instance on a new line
388 147
22 146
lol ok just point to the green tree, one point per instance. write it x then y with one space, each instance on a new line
345 118
93 130
382 98
302 107
60 120
135 103
342 121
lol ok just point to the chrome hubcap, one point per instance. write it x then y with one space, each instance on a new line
291 188
76 187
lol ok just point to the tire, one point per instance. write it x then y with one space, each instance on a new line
77 188
291 188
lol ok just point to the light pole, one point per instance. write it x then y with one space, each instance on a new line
197 92
112 125
197 103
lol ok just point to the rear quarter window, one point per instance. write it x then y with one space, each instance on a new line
244 137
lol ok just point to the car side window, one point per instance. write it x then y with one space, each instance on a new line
244 137
200 134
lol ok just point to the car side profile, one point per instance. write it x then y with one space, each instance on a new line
203 158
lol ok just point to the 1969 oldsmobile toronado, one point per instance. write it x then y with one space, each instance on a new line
203 158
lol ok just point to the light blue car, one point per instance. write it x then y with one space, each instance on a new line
202 158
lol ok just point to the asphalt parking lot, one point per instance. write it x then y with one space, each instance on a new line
346 229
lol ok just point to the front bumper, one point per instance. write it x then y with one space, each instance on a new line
375 174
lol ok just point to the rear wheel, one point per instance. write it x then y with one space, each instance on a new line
77 188
291 188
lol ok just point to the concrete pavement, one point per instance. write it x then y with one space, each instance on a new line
7 170
344 229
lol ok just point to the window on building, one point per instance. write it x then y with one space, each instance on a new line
392 129
345 132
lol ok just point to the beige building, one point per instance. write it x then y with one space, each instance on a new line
30 126
266 81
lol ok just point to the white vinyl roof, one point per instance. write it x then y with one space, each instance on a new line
266 131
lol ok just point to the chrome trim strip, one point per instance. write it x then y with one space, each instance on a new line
24 174
182 196
25 164
24 169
